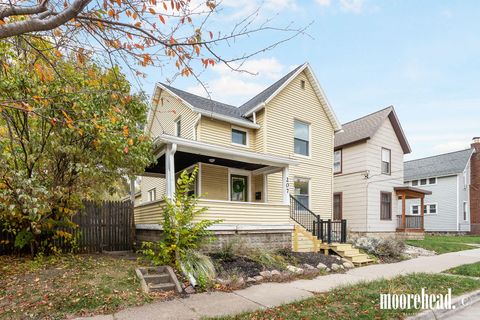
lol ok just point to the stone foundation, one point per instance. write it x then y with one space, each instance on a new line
392 234
272 238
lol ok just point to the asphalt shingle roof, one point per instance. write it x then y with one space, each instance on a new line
437 166
362 128
226 109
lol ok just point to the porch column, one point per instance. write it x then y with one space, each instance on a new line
422 205
285 186
404 217
170 169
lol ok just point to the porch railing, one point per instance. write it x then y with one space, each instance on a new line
411 222
326 230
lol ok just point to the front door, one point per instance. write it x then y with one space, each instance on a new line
337 206
238 188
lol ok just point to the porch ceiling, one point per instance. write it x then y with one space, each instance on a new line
184 160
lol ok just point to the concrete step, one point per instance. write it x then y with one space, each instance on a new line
157 278
162 287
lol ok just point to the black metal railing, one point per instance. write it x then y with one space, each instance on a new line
326 230
411 222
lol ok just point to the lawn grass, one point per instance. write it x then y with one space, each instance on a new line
444 244
62 286
471 270
361 301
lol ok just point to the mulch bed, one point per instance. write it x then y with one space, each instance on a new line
312 258
239 265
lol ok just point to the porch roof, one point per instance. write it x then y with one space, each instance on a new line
189 152
412 192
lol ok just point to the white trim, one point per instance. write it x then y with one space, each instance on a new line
240 172
244 202
467 210
317 88
309 139
426 205
199 178
458 202
226 227
247 137
196 126
149 194
177 121
224 151
266 170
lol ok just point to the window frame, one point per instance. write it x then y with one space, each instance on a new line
149 192
309 141
382 193
243 173
341 161
414 185
389 161
418 209
308 180
178 127
465 210
238 129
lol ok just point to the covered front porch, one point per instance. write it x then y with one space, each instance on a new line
407 223
240 187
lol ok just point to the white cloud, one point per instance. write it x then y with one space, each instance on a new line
355 6
236 87
323 3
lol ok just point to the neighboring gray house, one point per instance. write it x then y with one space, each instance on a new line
447 175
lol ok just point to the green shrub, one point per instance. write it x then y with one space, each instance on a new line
181 235
268 259
198 267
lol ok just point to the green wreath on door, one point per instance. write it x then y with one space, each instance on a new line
238 186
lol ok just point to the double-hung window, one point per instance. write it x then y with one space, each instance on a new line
386 161
152 194
301 191
301 138
337 161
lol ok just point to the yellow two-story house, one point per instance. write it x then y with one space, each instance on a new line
264 166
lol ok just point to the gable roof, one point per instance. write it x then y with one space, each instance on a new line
239 115
437 166
364 128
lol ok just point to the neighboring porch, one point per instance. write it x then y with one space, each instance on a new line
411 223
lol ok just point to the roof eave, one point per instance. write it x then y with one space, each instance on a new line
211 114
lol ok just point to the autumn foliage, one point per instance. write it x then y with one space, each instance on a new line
69 130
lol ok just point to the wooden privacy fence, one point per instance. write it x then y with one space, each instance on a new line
102 226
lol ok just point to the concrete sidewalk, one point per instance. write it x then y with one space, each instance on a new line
273 294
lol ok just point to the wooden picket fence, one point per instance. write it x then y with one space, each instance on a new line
102 226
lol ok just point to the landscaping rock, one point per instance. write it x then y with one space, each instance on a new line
251 280
275 273
335 267
308 267
190 290
295 270
348 265
224 282
321 266
266 274
258 278
238 282
328 269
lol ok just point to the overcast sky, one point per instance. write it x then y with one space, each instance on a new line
422 57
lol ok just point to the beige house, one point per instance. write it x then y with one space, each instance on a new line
260 164
369 190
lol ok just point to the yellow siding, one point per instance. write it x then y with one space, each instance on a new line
274 185
257 186
259 137
214 182
167 110
228 212
220 132
149 213
303 104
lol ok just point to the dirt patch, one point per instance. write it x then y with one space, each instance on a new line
242 266
311 258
